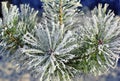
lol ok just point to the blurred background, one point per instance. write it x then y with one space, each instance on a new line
9 72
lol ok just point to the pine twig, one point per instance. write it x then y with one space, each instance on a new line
13 38
61 13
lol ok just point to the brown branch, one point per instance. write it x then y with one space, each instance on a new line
61 13
13 38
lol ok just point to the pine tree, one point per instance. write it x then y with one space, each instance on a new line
64 43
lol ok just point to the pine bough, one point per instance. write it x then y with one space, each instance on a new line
64 43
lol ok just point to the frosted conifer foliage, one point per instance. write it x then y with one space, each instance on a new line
49 51
13 26
62 11
100 37
61 45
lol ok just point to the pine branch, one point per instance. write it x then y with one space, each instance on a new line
61 12
100 33
12 38
81 57
14 25
62 44
53 51
77 58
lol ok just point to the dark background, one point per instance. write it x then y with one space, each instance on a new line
114 5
